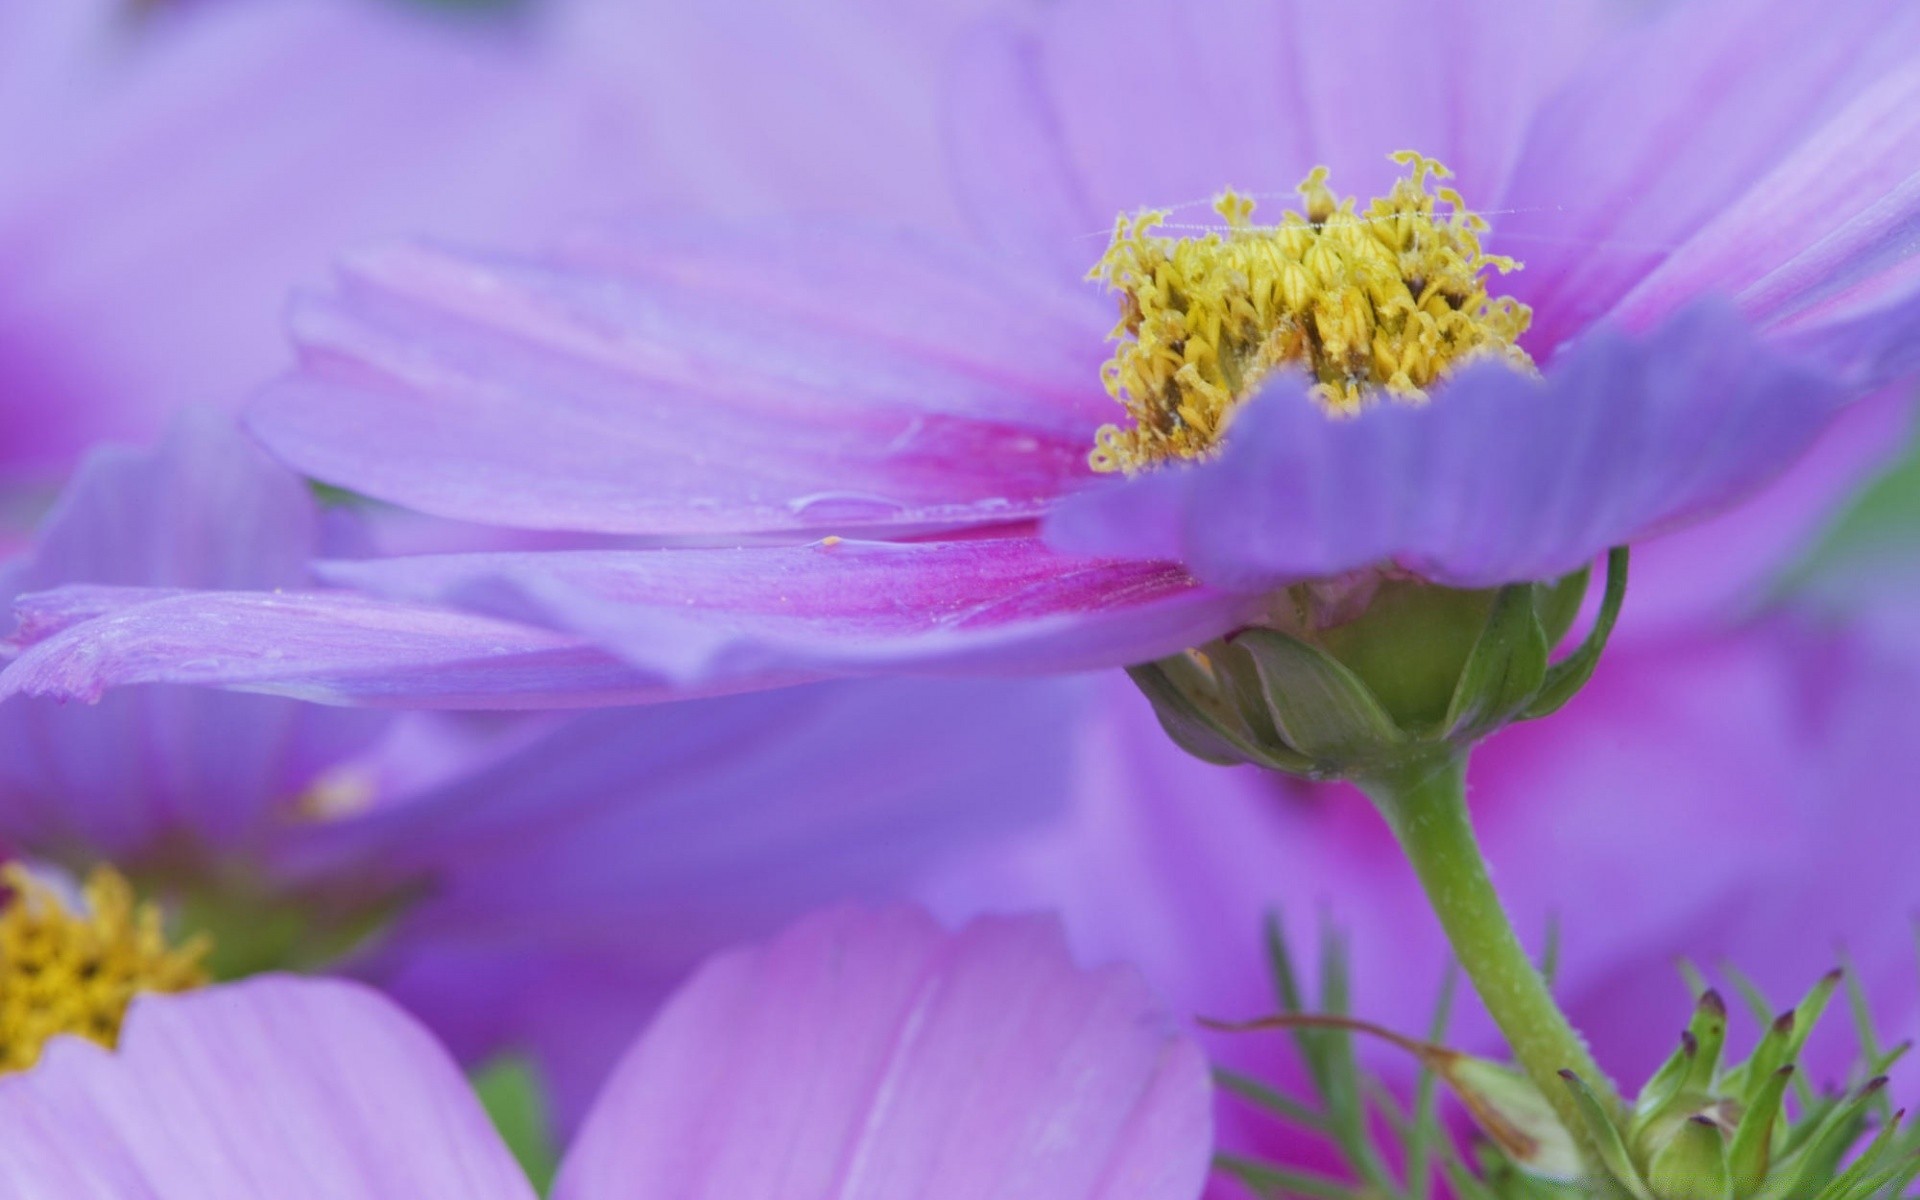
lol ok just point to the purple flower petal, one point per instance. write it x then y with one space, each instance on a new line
818 380
1238 93
1500 478
1839 216
672 623
574 883
206 509
1612 182
330 648
273 1087
865 1055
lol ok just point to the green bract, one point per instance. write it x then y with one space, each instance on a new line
1702 1129
1417 676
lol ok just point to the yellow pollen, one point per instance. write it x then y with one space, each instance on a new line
76 972
1388 300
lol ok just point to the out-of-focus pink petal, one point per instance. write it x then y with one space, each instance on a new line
1500 477
578 881
153 220
869 1055
844 384
1238 93
294 1089
205 509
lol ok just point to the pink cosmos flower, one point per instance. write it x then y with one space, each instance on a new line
862 1054
882 441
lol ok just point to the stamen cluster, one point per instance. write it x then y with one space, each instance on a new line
1388 300
68 972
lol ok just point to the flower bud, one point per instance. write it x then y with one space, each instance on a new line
1369 676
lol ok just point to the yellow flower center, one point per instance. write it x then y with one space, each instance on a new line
1386 300
63 971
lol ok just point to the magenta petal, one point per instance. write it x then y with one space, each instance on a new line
613 627
870 1056
332 648
819 381
714 620
293 1089
1500 478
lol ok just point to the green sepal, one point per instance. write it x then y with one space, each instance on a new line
1751 1154
1774 1051
1319 707
1504 671
1606 1138
1511 1111
1200 721
1557 604
1565 678
1871 1162
1692 1165
1665 1099
1818 1153
1709 1030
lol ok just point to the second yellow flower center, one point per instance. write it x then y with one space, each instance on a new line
67 971
1387 300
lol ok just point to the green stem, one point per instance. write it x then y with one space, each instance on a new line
1427 810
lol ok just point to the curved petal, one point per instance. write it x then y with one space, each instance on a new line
585 628
667 387
869 1055
1500 478
295 1089
714 620
205 509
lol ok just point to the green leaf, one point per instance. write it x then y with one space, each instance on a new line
1424 1130
510 1090
1565 678
1269 1180
1260 1095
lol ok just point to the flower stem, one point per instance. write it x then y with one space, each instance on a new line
1427 810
